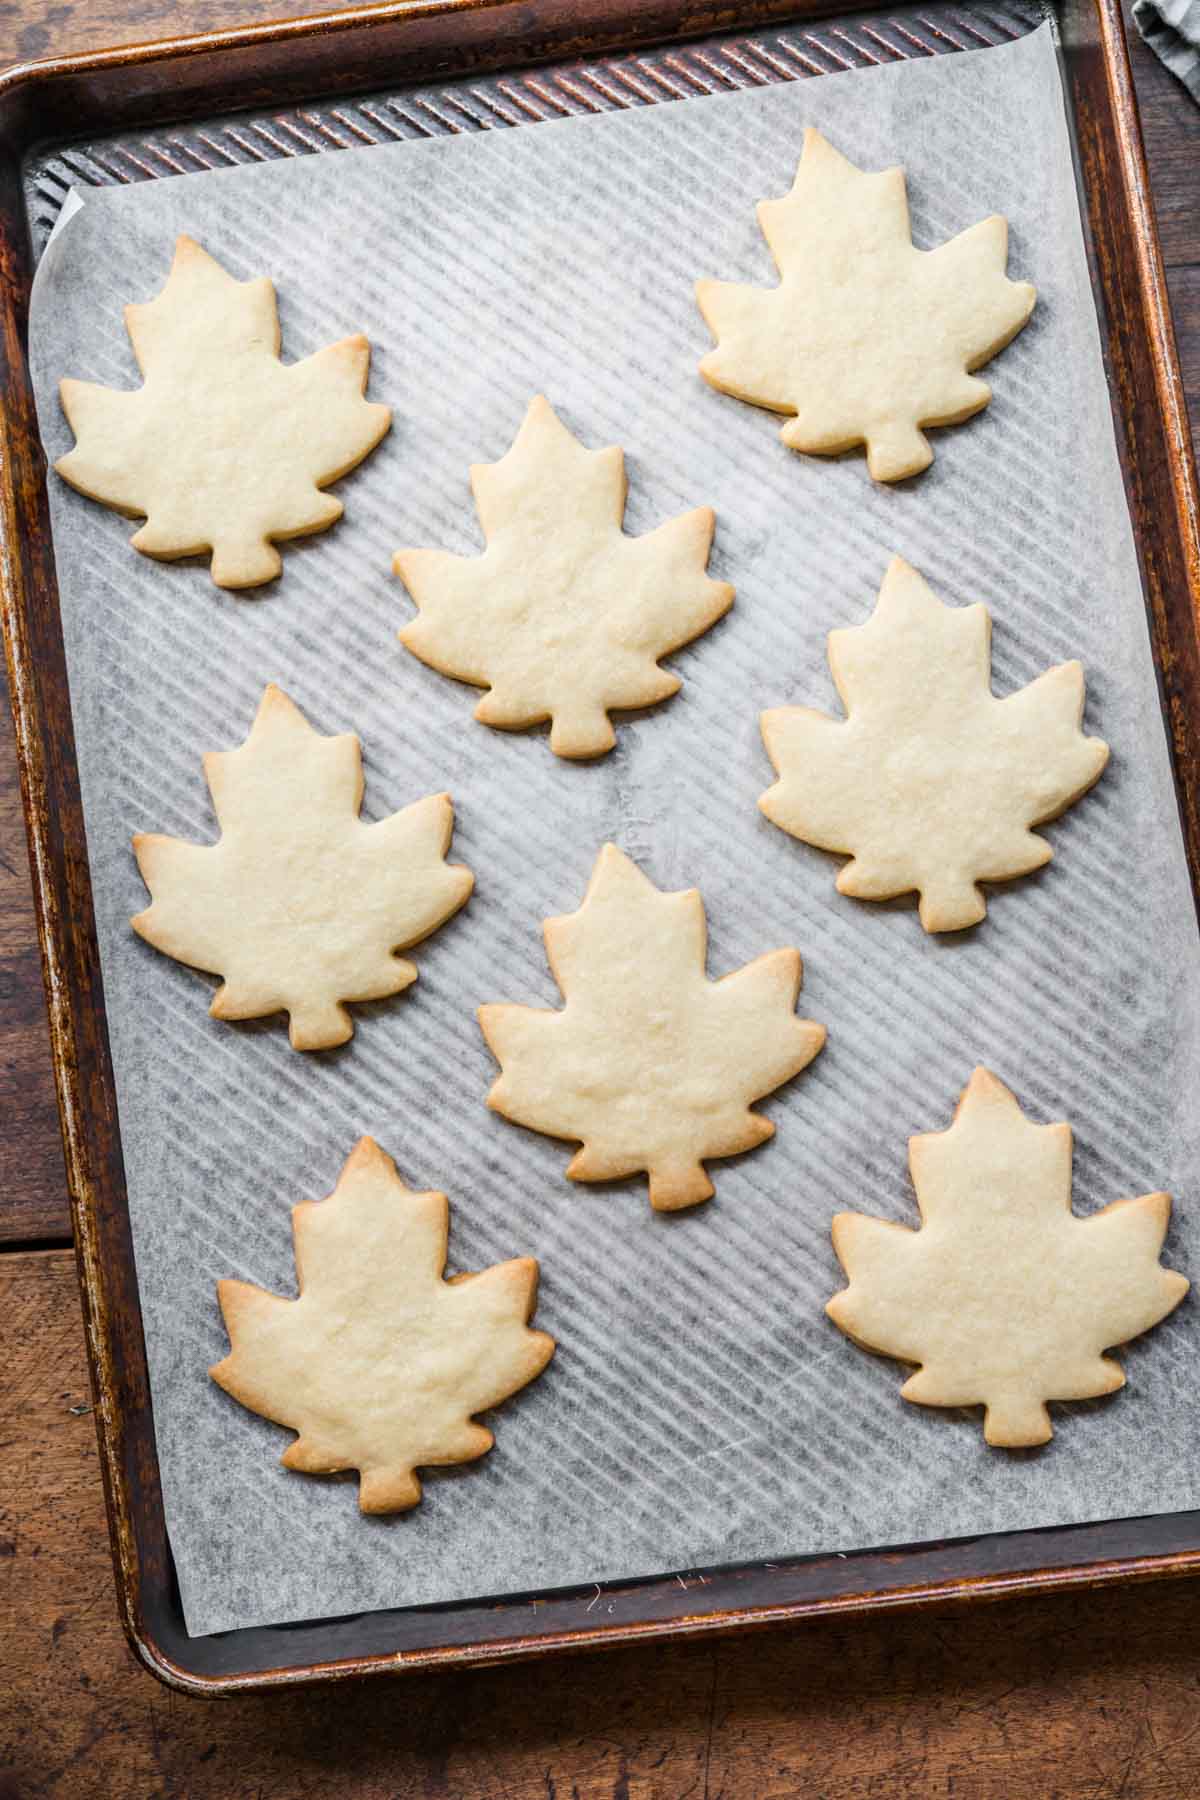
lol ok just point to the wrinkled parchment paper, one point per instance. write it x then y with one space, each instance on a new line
701 1408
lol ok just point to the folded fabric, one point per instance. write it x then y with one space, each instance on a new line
1172 30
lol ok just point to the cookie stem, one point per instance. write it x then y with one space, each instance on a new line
1017 1421
896 450
319 1024
951 904
238 562
581 731
674 1186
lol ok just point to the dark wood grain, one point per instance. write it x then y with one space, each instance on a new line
33 28
33 1201
1184 285
1073 1697
1171 131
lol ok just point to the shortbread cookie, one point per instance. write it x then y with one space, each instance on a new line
866 339
301 904
930 782
563 617
650 1064
381 1362
1004 1298
223 447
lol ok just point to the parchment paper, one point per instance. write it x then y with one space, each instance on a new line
701 1409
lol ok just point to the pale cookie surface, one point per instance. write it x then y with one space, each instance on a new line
866 338
649 1064
223 447
930 782
563 617
1003 1297
301 904
381 1362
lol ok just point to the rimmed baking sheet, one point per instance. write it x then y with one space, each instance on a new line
701 1409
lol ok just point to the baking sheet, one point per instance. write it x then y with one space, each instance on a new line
701 1409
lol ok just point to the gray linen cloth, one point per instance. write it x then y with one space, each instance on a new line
1172 30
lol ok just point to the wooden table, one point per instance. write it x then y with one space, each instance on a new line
1088 1695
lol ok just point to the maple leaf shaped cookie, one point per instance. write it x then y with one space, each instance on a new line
223 447
381 1363
1003 1297
866 338
300 904
930 782
563 617
650 1064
